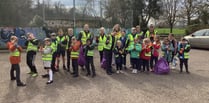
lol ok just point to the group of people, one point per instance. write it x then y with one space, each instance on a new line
144 49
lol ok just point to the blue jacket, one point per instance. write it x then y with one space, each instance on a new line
167 54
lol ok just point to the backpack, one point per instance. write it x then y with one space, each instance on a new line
162 67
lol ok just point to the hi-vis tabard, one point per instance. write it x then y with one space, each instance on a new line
148 34
85 37
131 40
101 43
15 53
48 56
108 46
32 47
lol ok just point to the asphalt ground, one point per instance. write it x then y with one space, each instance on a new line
117 88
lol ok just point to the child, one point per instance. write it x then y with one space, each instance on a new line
123 41
15 50
89 55
146 54
75 45
167 50
155 51
47 53
62 41
118 51
183 51
135 50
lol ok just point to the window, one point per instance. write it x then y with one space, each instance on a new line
200 33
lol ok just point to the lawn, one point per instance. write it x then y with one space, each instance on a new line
176 31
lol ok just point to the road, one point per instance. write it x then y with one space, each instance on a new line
118 88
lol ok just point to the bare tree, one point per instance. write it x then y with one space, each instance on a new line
170 9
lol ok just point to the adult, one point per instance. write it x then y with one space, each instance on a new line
84 35
62 41
151 33
101 42
69 35
139 31
15 53
108 47
32 48
117 29
130 39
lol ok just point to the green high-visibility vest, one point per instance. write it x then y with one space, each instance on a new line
54 46
108 46
131 39
48 56
90 53
148 34
186 54
101 43
148 54
32 47
15 53
140 34
61 40
74 54
85 37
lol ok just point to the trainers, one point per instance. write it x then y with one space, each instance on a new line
136 71
34 74
49 82
21 84
132 71
117 71
121 71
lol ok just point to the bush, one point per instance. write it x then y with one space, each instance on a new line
192 28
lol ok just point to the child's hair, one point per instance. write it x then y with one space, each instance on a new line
157 37
89 40
165 39
119 42
13 37
47 39
146 40
171 34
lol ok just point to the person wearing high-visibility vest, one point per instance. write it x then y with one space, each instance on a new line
70 35
139 32
74 48
15 56
47 54
84 35
32 48
89 56
183 51
123 39
167 49
151 33
108 47
117 29
135 50
101 42
54 55
130 40
145 54
62 41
